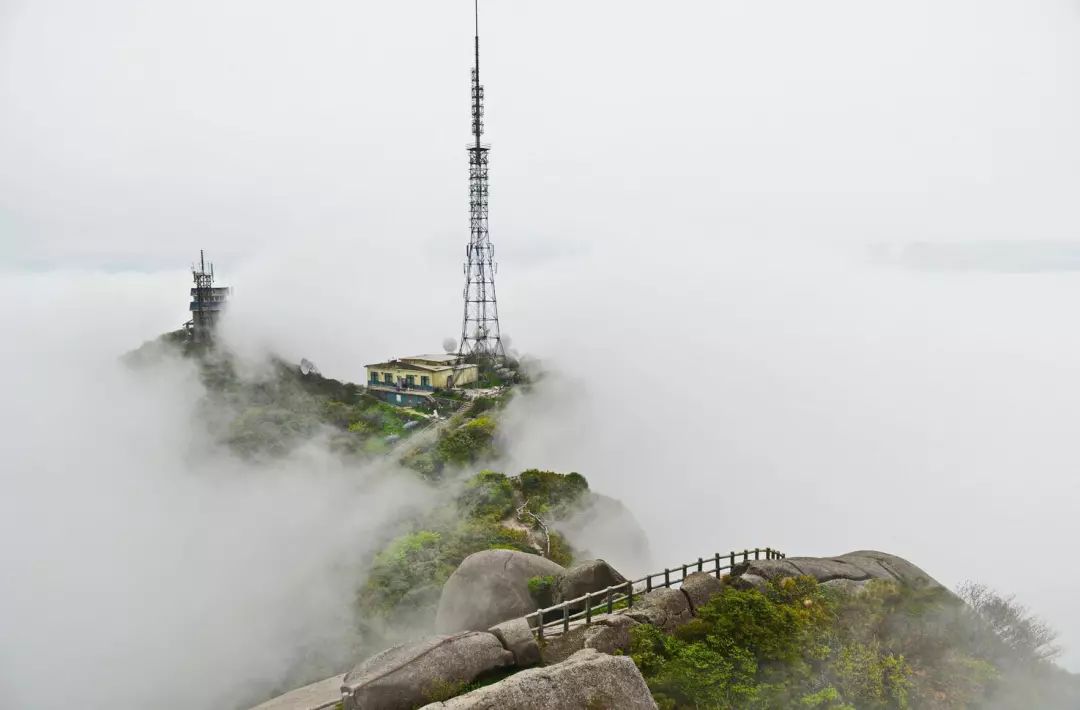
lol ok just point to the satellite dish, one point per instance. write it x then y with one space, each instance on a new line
307 367
449 345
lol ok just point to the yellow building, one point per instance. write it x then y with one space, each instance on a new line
408 380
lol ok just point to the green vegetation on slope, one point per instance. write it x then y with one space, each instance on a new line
467 443
800 645
405 578
277 412
471 440
269 412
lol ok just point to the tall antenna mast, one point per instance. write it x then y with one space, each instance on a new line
480 337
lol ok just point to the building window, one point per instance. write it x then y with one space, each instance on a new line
410 380
374 376
388 378
425 381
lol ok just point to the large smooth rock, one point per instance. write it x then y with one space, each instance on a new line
406 676
846 586
663 608
490 587
766 569
699 588
517 637
610 633
557 647
587 680
585 577
897 567
750 581
860 566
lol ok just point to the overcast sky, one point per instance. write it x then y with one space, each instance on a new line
807 272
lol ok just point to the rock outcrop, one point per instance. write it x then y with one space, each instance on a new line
408 675
587 680
323 694
607 633
517 637
663 608
585 577
700 587
490 587
854 567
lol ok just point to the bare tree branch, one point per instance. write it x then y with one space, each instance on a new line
524 510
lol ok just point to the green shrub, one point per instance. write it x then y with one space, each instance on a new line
870 678
467 443
338 414
376 446
487 495
885 647
748 649
561 552
361 427
473 536
423 461
269 429
481 405
541 590
441 690
413 560
429 557
550 492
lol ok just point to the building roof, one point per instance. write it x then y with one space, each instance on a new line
443 357
399 365
408 364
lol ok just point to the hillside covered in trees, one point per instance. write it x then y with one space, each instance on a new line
793 643
884 646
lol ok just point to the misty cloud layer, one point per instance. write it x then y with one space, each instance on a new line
142 564
688 205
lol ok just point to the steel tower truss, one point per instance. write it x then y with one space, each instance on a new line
480 336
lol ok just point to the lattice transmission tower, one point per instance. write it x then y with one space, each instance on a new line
207 301
480 336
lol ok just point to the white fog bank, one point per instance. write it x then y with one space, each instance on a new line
141 566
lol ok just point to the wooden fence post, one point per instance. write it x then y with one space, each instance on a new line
629 594
588 608
610 599
718 565
667 577
757 553
565 618
540 624
648 583
700 562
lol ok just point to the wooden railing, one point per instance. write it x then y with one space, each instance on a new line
563 615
